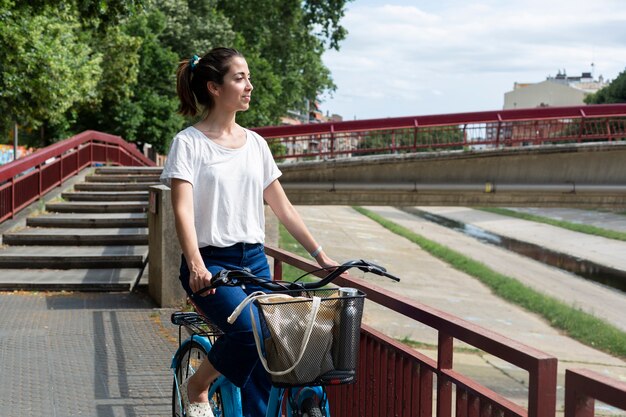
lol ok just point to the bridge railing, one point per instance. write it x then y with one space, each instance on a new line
491 129
395 380
583 387
27 179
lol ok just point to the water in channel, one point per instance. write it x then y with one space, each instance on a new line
610 277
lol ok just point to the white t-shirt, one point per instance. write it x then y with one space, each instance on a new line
227 185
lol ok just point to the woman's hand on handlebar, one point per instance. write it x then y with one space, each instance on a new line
324 261
200 278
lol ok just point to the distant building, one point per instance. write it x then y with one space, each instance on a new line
561 90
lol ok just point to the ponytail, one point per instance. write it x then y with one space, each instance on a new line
188 105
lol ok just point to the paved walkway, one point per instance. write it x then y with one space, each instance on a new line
602 219
84 354
608 252
346 234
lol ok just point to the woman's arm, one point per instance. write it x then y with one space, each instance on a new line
275 196
182 203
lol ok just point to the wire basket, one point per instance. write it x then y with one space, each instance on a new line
330 355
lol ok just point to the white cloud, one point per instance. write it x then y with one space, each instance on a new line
406 57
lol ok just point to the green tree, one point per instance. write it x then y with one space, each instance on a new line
615 92
110 64
155 93
137 99
194 26
283 41
45 69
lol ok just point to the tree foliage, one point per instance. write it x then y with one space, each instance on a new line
283 41
137 100
615 92
46 69
194 26
110 65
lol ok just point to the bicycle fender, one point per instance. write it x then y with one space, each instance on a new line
206 344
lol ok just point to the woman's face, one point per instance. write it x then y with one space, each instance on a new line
234 93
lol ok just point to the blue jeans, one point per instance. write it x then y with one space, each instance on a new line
234 354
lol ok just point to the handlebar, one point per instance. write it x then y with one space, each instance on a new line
238 277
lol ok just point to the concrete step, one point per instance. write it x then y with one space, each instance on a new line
129 170
107 196
98 207
78 237
91 220
73 257
122 178
105 279
114 186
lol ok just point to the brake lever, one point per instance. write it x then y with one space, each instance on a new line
372 267
378 270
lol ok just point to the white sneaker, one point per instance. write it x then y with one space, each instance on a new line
195 409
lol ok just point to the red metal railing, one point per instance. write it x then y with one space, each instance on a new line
395 380
540 126
583 387
26 180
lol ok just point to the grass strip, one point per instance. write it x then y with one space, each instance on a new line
576 323
576 227
288 243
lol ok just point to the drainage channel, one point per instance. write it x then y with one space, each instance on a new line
602 274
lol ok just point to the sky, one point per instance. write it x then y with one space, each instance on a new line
419 57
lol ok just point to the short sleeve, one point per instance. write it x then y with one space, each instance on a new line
270 169
179 163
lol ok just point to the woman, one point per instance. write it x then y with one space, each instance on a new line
220 173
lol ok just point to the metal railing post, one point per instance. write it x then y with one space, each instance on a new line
583 387
278 270
542 388
444 386
332 141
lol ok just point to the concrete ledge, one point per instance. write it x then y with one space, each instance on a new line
163 286
575 175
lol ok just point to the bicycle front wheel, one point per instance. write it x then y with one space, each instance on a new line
311 408
187 362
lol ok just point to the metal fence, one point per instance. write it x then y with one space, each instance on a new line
27 179
395 380
493 129
583 387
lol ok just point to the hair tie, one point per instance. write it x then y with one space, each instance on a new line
193 62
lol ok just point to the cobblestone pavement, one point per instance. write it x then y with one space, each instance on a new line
84 354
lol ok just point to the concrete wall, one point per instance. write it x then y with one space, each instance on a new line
576 175
164 286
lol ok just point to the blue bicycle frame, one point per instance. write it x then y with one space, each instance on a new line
231 396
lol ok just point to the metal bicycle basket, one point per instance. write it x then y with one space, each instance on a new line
331 354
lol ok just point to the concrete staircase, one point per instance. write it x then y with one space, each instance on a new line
94 239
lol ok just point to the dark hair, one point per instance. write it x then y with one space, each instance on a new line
193 75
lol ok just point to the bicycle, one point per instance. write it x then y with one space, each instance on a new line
298 400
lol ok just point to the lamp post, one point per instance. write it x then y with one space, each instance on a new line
15 141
